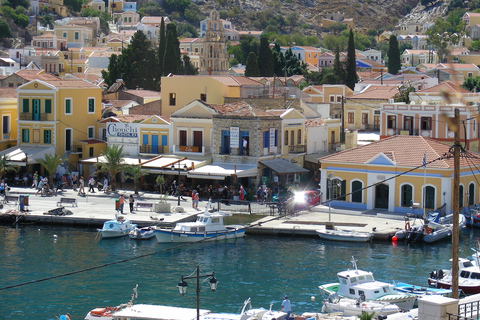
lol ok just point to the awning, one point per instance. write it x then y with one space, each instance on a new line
220 170
282 166
102 159
315 156
23 155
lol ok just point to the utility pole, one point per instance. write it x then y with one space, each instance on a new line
342 123
456 199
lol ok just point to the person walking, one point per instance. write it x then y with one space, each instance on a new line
181 189
286 307
105 185
131 201
241 194
91 185
35 180
196 199
121 202
74 182
81 186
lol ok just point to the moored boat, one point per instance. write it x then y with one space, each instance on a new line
468 276
359 284
356 307
208 226
345 235
143 233
118 227
247 313
421 291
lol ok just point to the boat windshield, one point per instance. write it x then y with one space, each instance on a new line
475 275
353 280
215 220
467 264
464 274
369 277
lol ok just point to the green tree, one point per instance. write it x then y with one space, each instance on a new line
248 44
136 173
17 3
171 61
403 94
351 64
151 9
251 68
278 60
21 20
114 71
337 27
114 162
162 42
444 34
192 14
5 31
186 30
265 59
160 180
73 5
5 167
50 163
189 68
472 84
176 5
292 19
394 63
338 69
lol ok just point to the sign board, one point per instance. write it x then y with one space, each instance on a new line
272 139
234 137
122 130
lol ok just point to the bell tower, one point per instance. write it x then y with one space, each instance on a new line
214 58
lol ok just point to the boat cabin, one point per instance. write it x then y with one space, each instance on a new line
357 284
205 223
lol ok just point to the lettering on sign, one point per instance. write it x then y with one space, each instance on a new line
234 137
122 130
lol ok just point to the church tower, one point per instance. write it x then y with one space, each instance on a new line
214 58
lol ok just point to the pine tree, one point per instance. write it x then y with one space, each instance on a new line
393 54
172 62
278 61
189 68
338 69
265 59
351 67
161 48
251 69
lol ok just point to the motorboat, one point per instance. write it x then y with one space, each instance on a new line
359 284
118 227
208 226
356 307
420 290
143 233
344 235
247 313
472 215
468 276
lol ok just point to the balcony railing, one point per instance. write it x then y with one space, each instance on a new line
31 116
152 149
300 148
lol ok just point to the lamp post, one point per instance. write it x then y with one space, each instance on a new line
329 185
182 285
178 181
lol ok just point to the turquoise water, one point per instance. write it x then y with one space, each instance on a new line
262 268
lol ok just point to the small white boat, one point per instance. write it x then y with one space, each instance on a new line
117 227
345 235
209 226
247 313
356 307
143 233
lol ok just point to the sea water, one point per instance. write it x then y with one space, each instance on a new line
55 270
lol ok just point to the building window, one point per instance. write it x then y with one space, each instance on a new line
391 122
91 105
25 135
364 118
91 132
286 137
339 99
76 35
25 106
203 97
47 136
299 137
64 34
48 106
183 137
90 152
6 125
470 74
426 123
68 106
173 98
79 69
351 118
292 137
332 99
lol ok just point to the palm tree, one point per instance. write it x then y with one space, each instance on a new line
4 167
114 162
50 163
136 172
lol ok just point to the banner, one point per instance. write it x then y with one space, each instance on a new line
234 137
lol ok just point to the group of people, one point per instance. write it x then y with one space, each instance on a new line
121 203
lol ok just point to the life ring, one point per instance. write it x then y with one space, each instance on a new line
428 230
407 226
364 306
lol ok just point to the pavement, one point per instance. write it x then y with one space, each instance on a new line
94 209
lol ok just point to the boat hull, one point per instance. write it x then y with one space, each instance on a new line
350 236
350 309
467 289
171 235
142 233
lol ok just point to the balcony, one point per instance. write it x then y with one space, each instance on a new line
191 149
405 132
31 117
152 149
300 148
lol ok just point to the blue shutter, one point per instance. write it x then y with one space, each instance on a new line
266 138
145 139
164 140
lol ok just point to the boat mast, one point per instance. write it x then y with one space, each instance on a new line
455 202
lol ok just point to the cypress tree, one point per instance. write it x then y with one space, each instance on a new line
172 62
161 48
265 59
351 68
278 61
338 69
251 69
393 54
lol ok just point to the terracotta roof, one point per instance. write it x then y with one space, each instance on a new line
375 92
71 84
363 75
314 122
130 118
241 109
30 75
405 151
117 103
8 92
144 93
446 86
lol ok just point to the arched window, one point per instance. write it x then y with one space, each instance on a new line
460 196
430 197
406 196
471 194
357 191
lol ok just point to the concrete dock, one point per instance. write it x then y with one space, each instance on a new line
94 209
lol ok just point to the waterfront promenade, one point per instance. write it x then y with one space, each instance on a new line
95 208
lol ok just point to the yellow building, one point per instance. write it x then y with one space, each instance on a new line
61 117
389 174
8 111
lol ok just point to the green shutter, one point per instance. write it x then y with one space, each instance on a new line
91 105
25 135
67 106
25 108
47 136
48 106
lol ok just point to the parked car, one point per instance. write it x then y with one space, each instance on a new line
306 198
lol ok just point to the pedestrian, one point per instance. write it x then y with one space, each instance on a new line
241 194
91 185
121 202
105 185
131 201
174 187
35 180
286 307
245 145
259 194
196 200
225 193
81 187
193 198
180 190
74 182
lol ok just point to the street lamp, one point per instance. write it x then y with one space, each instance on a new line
182 285
329 185
185 168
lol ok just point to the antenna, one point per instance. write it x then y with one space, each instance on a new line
354 262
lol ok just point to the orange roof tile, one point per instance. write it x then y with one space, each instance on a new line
71 84
446 86
375 92
8 92
144 93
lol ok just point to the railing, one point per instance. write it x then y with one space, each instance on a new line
152 149
372 127
300 148
30 116
467 311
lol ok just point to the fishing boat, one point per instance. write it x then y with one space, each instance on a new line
208 226
468 276
118 227
359 284
247 313
421 291
344 235
143 233
356 307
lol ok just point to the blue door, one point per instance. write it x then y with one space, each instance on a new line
36 110
154 143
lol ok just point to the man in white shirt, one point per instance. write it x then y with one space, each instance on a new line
286 307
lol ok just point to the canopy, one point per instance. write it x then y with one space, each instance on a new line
23 155
220 170
282 166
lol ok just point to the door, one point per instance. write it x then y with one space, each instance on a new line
68 139
408 124
36 110
154 143
430 197
225 142
381 196
198 140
